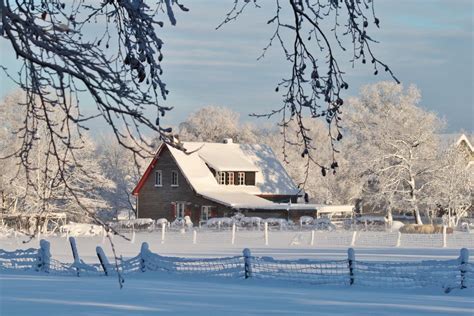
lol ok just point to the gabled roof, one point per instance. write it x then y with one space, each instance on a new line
270 178
455 139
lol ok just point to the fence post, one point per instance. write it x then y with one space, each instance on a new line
44 256
104 262
265 233
311 243
163 229
351 261
354 236
247 263
444 237
143 252
233 233
133 234
194 237
399 240
464 258
75 254
39 233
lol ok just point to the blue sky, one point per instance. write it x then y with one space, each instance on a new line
428 43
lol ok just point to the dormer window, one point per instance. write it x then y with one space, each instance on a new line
235 177
241 178
221 177
230 178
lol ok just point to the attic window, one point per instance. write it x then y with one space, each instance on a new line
158 178
174 178
230 178
221 177
241 178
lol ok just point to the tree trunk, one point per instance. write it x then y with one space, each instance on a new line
417 216
389 218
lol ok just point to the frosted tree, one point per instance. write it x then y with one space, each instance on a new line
453 185
112 51
342 187
311 33
397 144
213 124
10 120
47 186
121 168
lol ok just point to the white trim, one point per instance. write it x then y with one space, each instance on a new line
221 177
241 176
174 172
230 175
177 209
160 172
208 209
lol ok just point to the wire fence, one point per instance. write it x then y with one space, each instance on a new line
448 274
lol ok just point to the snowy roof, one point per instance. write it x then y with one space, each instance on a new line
270 177
455 139
335 208
241 200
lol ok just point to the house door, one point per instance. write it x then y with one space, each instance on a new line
180 209
205 213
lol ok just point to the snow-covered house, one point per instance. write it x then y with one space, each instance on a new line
216 180
461 141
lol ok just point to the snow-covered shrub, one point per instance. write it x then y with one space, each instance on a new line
137 224
124 214
81 229
371 223
396 225
224 222
6 231
306 220
276 222
323 224
187 222
177 223
248 222
160 222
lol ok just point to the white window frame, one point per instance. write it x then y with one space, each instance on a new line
180 208
205 209
173 173
221 177
230 178
241 178
158 176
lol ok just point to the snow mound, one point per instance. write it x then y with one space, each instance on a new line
81 229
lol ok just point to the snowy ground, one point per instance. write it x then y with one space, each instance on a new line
151 293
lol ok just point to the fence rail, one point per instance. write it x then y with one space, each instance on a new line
448 274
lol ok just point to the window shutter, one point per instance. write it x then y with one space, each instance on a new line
173 211
213 212
187 211
197 215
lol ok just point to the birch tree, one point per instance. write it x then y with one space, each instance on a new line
453 186
399 143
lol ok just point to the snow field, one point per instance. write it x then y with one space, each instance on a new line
154 293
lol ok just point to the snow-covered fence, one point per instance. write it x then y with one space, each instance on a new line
228 267
449 274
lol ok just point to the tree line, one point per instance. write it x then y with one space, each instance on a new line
391 160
